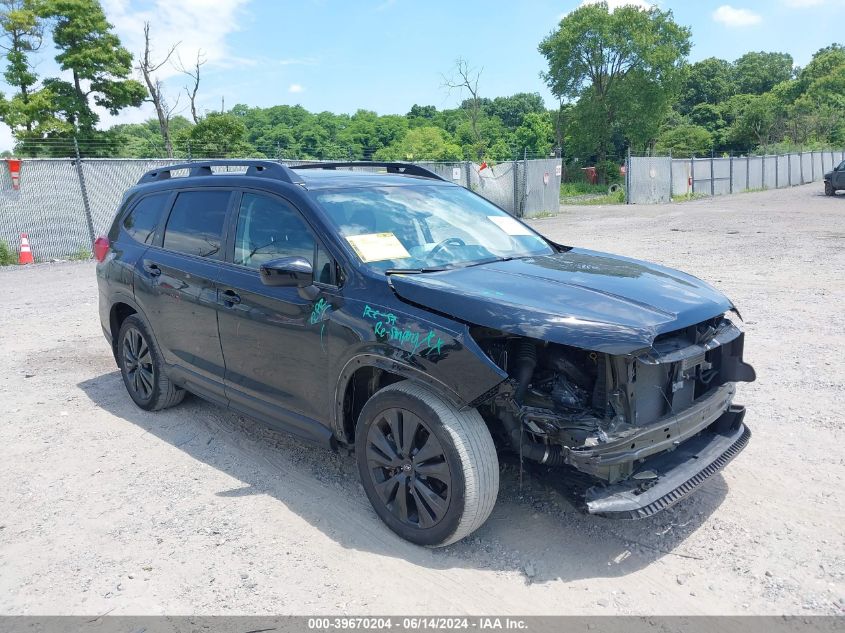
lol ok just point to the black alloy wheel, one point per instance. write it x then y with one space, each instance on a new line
138 364
408 468
142 367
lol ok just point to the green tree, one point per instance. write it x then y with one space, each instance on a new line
709 81
685 140
756 122
422 112
99 66
757 73
609 59
22 32
421 143
535 135
218 135
513 110
825 62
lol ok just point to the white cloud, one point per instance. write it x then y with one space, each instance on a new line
733 17
197 25
295 88
803 4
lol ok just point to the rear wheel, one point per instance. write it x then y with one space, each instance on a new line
828 188
429 469
142 367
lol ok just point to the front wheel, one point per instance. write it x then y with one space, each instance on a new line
828 188
429 469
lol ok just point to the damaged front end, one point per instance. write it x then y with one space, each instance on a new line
648 426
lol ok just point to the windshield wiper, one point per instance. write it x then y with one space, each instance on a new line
492 260
414 271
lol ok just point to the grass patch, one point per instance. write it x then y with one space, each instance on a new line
81 255
7 255
572 189
541 214
690 196
608 198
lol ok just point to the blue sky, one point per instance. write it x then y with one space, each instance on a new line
386 55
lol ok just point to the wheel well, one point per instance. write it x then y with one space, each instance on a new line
119 312
359 388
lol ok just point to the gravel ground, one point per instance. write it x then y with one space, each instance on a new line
107 508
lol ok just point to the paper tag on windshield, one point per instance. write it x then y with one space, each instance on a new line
377 247
509 225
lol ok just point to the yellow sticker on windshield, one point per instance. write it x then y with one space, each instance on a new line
509 225
377 247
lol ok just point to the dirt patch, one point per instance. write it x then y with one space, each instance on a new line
193 510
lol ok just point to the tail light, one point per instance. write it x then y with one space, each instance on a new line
101 248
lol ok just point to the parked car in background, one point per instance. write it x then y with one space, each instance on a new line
834 180
411 320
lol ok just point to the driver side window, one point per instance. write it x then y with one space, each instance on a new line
268 229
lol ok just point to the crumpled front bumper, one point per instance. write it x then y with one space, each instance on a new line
662 480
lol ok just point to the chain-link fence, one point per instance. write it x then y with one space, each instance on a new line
653 179
63 204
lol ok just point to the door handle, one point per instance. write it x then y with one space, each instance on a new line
152 269
231 298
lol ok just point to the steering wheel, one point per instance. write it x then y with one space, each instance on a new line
454 241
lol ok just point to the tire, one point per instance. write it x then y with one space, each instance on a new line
142 367
463 453
828 189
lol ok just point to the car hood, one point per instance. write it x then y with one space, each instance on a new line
828 175
581 298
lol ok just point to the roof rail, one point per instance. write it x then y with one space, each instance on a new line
408 169
258 168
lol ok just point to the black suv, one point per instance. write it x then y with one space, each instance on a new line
387 310
834 180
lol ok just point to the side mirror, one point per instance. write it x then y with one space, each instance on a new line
287 271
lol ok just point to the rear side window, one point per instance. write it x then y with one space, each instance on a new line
142 221
195 225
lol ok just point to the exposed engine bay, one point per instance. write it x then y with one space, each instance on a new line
607 414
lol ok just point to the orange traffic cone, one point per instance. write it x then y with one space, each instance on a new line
25 256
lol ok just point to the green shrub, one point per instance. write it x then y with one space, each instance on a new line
7 255
80 255
608 172
580 188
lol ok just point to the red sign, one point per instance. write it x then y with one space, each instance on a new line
15 172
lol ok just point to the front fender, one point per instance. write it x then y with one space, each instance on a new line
427 348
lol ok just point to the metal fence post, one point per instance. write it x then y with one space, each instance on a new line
516 186
670 175
813 165
747 172
628 176
85 203
731 172
763 171
524 194
467 175
712 176
692 173
777 170
801 165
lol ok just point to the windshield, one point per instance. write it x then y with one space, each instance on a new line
426 227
